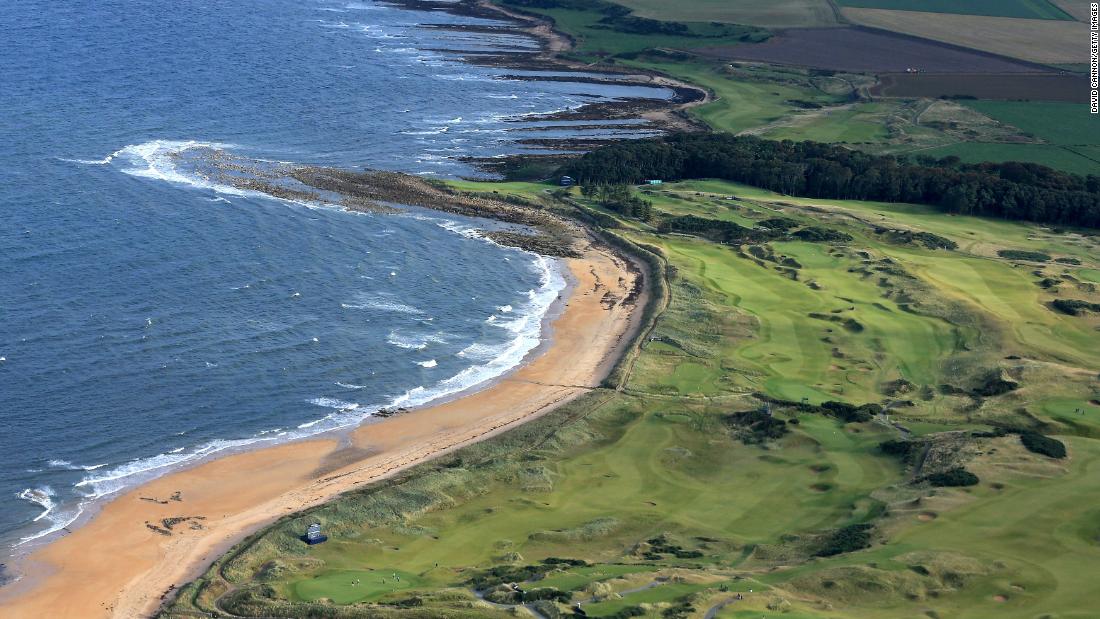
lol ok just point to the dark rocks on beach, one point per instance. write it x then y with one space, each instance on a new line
387 412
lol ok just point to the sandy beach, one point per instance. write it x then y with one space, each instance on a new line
118 565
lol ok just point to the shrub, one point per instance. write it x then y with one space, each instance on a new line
849 413
1074 307
560 561
1037 443
906 450
957 477
1030 256
546 593
757 426
816 234
846 539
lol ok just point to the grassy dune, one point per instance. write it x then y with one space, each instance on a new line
668 508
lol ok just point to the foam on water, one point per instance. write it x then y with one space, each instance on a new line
65 464
382 304
413 342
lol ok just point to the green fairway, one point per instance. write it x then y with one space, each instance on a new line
1027 9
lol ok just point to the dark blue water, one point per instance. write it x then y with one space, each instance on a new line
150 317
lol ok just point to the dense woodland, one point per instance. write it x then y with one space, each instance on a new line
1009 190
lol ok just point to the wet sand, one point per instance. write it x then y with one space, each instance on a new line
119 565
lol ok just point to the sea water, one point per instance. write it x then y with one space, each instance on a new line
150 317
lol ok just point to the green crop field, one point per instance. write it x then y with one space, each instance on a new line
595 39
766 13
1051 155
652 500
1055 123
1027 9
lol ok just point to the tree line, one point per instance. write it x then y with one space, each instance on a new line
1011 190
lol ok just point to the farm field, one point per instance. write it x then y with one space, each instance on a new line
1025 9
859 49
1045 41
1052 155
655 501
1079 9
765 13
594 39
1062 87
1054 123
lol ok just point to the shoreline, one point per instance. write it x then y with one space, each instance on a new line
116 564
10 573
45 579
666 115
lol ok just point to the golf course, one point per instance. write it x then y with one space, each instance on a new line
833 408
747 463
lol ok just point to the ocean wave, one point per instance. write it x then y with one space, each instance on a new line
432 131
144 469
527 328
481 352
42 496
104 161
430 363
65 464
339 405
383 305
413 342
156 160
350 386
160 160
